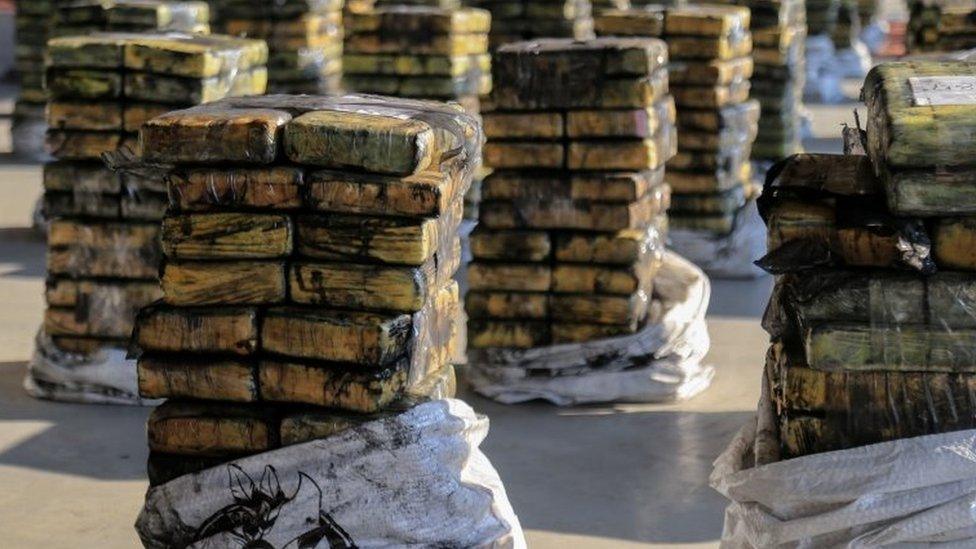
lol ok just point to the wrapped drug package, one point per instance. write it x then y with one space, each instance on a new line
304 38
872 364
103 235
941 25
424 53
307 327
711 218
39 20
570 241
517 20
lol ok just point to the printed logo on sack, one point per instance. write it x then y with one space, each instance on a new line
252 521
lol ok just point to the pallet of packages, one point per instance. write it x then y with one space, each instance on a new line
103 241
309 248
872 317
572 225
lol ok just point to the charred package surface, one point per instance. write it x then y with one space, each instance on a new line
872 317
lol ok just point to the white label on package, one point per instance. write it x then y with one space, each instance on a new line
931 91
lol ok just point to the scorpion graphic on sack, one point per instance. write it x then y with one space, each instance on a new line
254 514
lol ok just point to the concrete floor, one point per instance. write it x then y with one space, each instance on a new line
597 476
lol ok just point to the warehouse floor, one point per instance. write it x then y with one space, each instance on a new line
601 476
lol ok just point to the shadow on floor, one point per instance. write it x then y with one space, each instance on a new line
103 442
23 249
740 298
638 476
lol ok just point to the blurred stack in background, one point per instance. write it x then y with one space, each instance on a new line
778 34
515 20
103 255
304 40
422 52
39 20
712 215
941 25
33 21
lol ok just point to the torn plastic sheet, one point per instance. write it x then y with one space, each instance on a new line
415 479
103 377
908 492
660 363
725 255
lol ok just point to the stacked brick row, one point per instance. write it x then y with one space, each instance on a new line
304 40
516 20
309 245
572 222
103 255
874 336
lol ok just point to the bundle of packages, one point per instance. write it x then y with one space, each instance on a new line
80 17
778 33
307 300
711 174
103 255
304 39
572 226
873 315
516 20
865 430
425 53
33 28
941 25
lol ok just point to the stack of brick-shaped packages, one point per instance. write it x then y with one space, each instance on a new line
517 20
423 53
103 251
309 246
304 39
872 320
778 48
40 20
33 30
941 25
80 17
573 220
710 49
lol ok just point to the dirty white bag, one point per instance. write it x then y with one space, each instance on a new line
906 493
725 255
662 362
104 377
414 479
